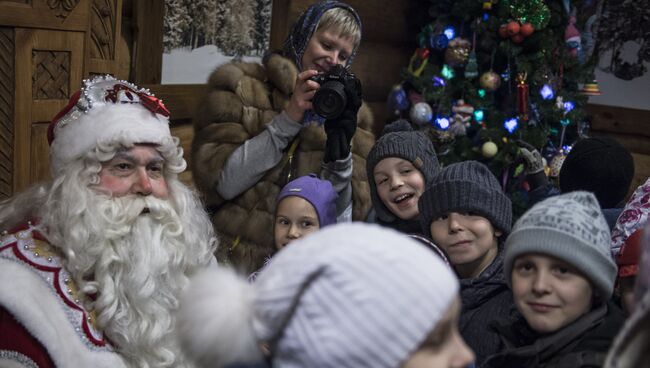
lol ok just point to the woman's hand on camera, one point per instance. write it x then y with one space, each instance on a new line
303 92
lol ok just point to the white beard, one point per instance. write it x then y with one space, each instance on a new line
139 273
135 264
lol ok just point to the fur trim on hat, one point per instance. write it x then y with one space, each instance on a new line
127 124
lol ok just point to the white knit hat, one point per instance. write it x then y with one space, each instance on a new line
350 295
106 110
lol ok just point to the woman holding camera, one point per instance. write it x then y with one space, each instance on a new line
256 130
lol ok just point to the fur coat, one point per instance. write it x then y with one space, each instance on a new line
240 100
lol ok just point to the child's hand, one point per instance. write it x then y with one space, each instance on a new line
303 92
532 157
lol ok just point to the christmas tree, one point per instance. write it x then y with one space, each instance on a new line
490 74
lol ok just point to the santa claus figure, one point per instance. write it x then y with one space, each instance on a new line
461 118
93 261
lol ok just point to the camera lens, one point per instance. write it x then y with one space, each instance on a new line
330 100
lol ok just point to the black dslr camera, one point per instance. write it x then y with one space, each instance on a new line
330 100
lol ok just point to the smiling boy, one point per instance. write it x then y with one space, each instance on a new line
558 263
466 213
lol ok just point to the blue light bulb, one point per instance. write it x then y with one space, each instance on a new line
442 123
478 115
511 125
547 92
449 32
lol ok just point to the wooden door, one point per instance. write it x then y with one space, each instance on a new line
46 49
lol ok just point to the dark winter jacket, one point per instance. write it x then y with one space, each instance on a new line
581 344
549 190
403 226
484 298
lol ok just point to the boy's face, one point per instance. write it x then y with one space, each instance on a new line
399 186
549 292
444 347
295 218
326 49
469 240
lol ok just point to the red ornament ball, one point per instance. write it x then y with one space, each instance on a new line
526 29
513 28
518 38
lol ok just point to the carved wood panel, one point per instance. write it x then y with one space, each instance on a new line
50 75
52 70
106 52
51 14
62 8
7 56
103 21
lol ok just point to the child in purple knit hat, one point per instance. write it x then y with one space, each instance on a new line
304 205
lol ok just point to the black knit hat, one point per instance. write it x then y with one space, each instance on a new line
400 140
467 186
599 165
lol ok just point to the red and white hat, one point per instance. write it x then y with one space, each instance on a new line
106 110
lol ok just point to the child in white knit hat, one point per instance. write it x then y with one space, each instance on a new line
558 264
345 296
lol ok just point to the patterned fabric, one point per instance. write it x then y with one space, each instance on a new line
634 215
29 247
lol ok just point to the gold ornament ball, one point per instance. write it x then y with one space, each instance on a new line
490 81
489 149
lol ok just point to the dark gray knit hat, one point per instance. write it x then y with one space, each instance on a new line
400 140
570 227
467 186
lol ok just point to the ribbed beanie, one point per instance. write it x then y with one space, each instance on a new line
570 227
466 186
318 192
400 140
601 166
341 297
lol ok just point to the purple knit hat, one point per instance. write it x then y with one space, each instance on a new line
319 193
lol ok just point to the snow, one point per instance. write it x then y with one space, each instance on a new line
185 66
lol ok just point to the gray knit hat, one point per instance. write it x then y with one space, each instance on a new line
400 140
570 227
466 186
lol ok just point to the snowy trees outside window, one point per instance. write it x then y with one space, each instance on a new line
202 34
